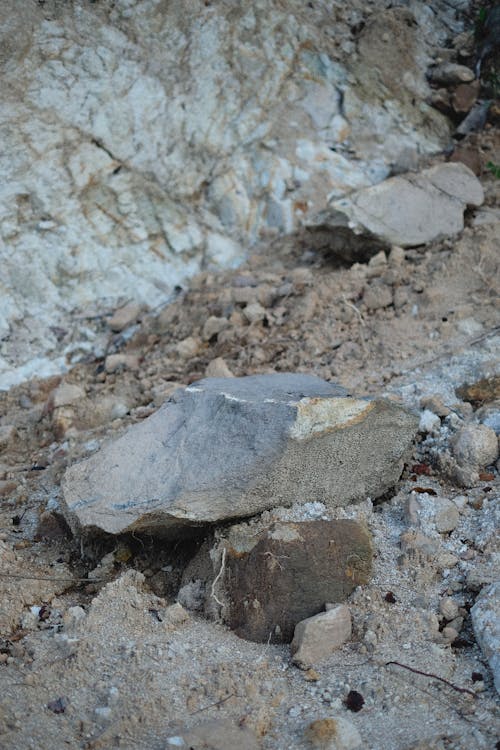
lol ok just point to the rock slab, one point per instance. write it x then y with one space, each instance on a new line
272 579
407 210
231 447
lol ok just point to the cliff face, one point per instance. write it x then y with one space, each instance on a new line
143 140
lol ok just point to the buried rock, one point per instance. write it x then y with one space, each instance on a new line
227 448
264 580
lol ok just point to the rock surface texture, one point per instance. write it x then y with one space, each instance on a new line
407 210
142 140
232 447
486 621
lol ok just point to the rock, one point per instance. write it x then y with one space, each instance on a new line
268 579
407 210
188 347
490 416
7 487
464 97
486 623
475 446
254 312
333 733
429 422
227 448
124 317
218 734
213 326
446 517
450 74
448 608
317 637
121 361
218 368
66 394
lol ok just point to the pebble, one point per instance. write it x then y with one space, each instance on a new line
333 733
213 326
447 516
448 608
475 446
254 312
124 316
449 74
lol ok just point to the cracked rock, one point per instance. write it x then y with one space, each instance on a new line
232 447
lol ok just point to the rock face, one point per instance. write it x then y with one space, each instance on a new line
407 210
231 447
141 140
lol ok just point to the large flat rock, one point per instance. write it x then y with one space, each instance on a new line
407 210
231 447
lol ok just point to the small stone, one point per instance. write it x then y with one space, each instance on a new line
254 312
464 97
317 637
73 617
311 675
429 422
213 326
333 733
188 347
397 256
449 634
219 734
485 389
124 317
218 368
448 608
435 404
447 516
116 362
475 446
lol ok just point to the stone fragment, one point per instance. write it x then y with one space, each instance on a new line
333 733
377 296
485 389
475 446
254 312
115 362
486 623
232 447
464 97
449 74
7 487
448 608
407 210
446 516
268 580
317 637
218 368
124 317
188 347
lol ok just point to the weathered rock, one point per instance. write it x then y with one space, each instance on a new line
485 389
124 317
486 622
446 516
267 580
317 637
407 210
333 733
228 448
218 368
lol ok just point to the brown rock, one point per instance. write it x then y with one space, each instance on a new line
486 389
464 97
285 573
124 316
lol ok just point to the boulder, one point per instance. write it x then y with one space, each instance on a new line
228 448
406 210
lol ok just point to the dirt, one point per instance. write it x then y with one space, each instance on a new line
128 667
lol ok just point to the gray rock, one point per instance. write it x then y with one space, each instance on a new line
231 447
486 623
214 735
448 74
317 637
446 517
407 210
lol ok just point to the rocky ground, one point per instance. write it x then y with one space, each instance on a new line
94 651
104 641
